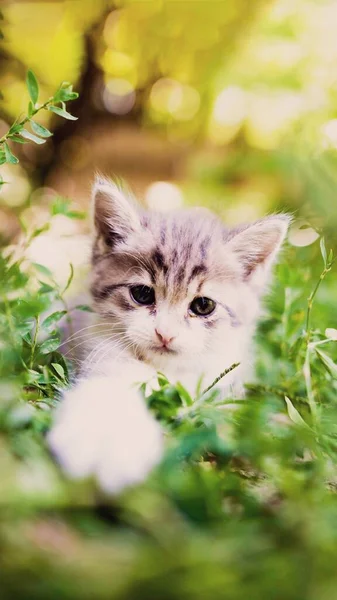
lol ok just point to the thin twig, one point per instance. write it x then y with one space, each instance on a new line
190 410
312 296
9 134
34 341
223 374
306 367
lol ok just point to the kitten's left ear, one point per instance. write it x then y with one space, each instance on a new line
257 245
115 213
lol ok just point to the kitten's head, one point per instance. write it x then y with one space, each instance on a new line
178 285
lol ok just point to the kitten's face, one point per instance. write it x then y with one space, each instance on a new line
177 286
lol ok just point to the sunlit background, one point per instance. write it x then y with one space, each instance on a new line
230 104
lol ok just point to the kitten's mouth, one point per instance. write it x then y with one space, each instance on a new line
163 350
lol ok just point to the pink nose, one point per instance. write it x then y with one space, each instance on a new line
164 339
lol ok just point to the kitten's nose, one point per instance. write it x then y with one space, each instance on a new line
164 338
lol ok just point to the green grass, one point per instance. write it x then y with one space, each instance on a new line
244 502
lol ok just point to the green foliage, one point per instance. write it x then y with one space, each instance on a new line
17 132
33 86
244 499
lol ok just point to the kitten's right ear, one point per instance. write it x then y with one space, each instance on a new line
115 214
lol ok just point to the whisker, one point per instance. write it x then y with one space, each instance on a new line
102 357
86 340
91 357
123 350
86 328
89 334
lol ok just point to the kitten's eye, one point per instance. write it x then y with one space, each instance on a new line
202 306
142 294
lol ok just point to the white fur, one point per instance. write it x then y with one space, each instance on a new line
103 428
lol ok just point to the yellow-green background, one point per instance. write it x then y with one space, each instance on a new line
233 101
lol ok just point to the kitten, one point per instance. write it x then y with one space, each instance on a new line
175 292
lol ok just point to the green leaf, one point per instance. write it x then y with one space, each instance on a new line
59 370
50 321
33 376
76 214
62 206
25 327
42 269
327 362
65 94
33 306
33 86
49 345
294 415
70 278
45 288
18 140
62 113
10 158
30 109
184 395
15 128
30 136
40 130
323 250
84 307
39 231
162 379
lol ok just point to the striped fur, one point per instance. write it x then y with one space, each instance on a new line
182 255
103 428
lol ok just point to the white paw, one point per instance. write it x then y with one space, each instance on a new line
103 429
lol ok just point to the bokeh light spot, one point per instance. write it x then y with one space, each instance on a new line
170 98
119 65
164 196
301 235
230 106
329 134
119 96
16 189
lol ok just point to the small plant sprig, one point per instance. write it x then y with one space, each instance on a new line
20 134
328 261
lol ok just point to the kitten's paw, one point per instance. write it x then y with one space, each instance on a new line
131 451
106 431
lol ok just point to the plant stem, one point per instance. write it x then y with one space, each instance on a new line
306 366
312 296
308 385
190 410
223 374
8 135
34 341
